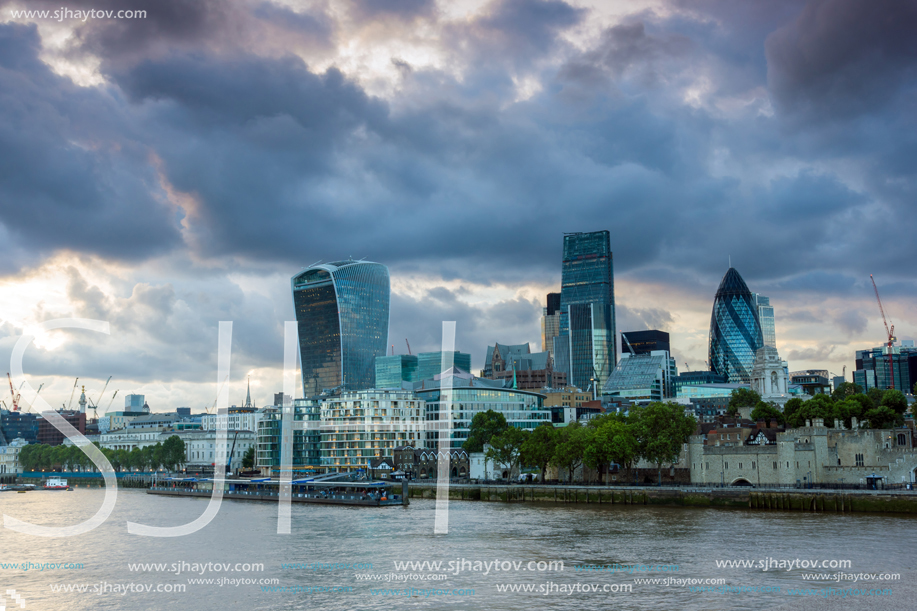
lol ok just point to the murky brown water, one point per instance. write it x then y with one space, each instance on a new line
692 539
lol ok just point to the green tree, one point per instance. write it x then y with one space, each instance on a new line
845 390
742 397
173 453
506 448
767 411
875 395
819 406
662 429
484 425
571 447
135 460
612 441
539 447
248 459
882 417
894 400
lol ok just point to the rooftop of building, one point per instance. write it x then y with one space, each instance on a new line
732 284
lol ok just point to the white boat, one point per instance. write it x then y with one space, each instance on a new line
56 483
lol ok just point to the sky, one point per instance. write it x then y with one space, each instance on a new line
169 172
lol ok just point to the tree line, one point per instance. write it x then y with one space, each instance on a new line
169 455
656 433
875 409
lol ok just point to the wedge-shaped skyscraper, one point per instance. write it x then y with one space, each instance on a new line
342 312
735 331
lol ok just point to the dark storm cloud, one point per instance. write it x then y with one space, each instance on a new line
453 175
840 57
639 319
72 176
509 321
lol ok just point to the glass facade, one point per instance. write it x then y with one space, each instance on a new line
430 364
643 376
522 409
735 333
342 311
19 424
873 370
306 441
587 308
766 318
392 370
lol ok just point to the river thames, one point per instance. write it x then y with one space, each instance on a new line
496 556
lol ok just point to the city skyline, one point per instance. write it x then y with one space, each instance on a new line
165 184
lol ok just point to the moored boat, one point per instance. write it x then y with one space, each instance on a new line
56 483
330 489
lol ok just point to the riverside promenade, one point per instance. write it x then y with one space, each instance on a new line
784 499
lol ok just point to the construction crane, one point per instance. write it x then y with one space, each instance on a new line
409 346
219 390
891 335
393 349
686 366
69 403
101 393
112 400
632 351
13 393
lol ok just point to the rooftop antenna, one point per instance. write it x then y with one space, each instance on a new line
730 261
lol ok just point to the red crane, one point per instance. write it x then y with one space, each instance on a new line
13 393
891 335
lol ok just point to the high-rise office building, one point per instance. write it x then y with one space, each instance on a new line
873 369
766 318
394 369
133 403
550 323
644 342
430 364
735 333
342 312
587 310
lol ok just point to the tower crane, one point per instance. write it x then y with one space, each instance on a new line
890 331
13 394
101 393
112 400
217 398
632 351
73 390
409 345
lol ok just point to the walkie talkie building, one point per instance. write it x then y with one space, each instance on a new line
735 332
342 313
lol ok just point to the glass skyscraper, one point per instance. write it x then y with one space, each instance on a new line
342 312
587 310
766 318
735 332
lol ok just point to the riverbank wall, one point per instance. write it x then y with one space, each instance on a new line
839 501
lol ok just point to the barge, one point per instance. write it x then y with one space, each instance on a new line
331 489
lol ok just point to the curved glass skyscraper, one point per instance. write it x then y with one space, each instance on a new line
735 331
342 312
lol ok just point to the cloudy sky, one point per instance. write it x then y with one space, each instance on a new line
169 172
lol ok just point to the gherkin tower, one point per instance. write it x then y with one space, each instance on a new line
735 331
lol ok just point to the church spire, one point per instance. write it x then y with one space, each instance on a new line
248 395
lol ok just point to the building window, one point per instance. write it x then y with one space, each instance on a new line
860 461
752 464
775 464
726 465
902 440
